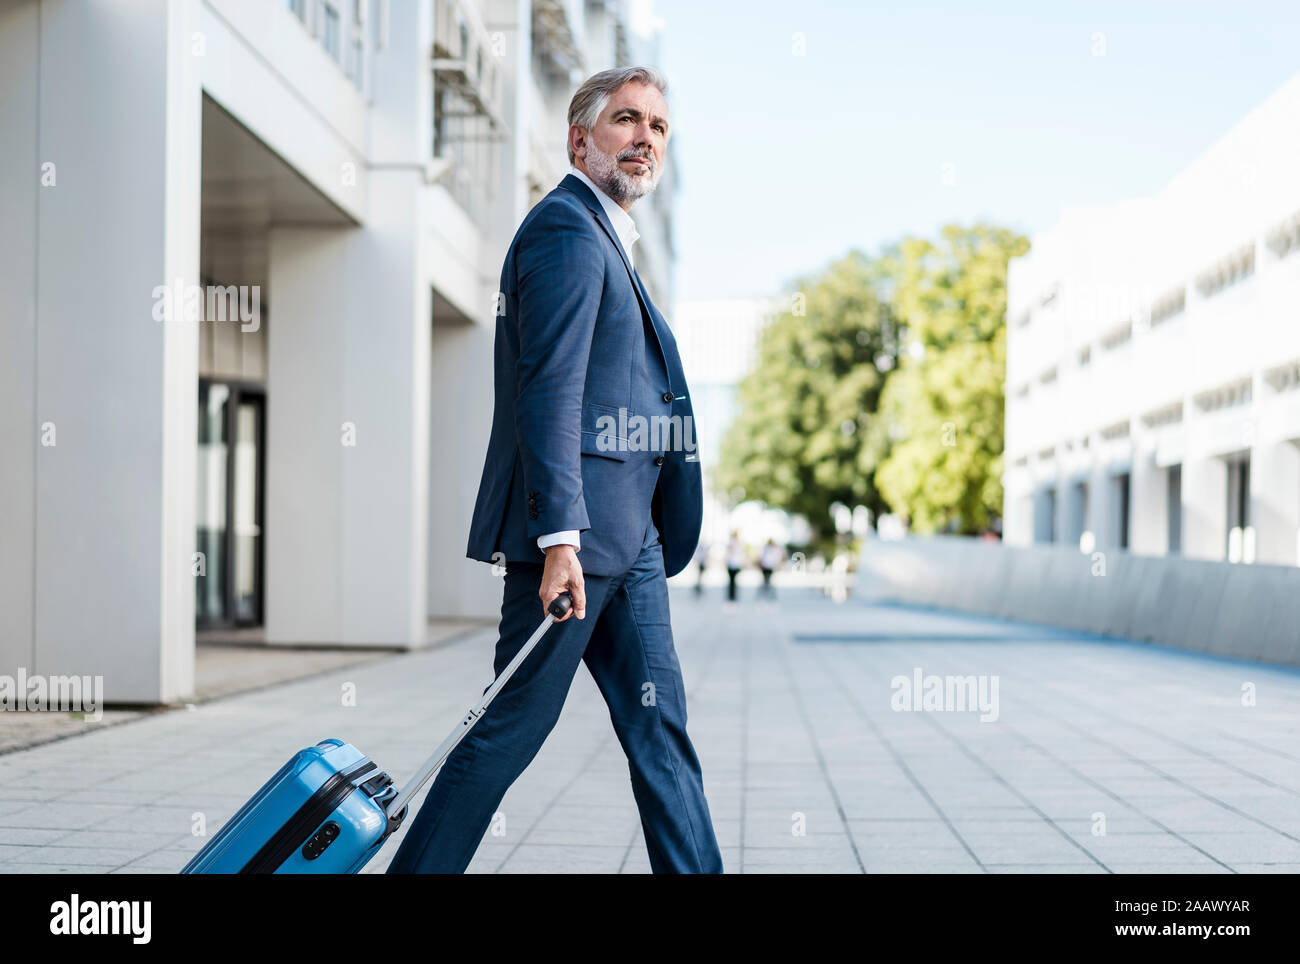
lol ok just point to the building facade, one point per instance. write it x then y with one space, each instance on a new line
248 267
1153 362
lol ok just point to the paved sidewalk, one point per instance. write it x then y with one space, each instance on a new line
807 768
225 663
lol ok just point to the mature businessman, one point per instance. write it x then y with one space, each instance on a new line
591 485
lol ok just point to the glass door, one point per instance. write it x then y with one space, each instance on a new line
229 504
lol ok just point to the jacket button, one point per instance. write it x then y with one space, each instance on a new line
659 460
668 396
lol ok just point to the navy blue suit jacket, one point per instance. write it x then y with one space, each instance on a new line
578 338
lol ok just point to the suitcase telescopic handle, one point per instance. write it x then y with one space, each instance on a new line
395 807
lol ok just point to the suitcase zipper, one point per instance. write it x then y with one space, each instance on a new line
308 817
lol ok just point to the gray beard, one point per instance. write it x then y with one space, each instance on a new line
619 185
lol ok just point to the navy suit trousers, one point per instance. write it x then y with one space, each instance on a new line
626 641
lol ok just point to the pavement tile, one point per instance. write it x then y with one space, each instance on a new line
1077 868
783 728
1233 848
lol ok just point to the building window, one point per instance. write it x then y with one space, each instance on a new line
1174 509
1232 395
1117 336
1047 523
1237 266
1115 431
1081 532
229 506
298 8
1241 534
1284 378
1169 305
1122 487
1170 414
330 30
1285 239
354 62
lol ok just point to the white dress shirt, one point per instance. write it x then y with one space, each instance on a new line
625 228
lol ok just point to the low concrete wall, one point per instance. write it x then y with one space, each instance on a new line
1244 612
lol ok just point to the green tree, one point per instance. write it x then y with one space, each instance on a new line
939 435
798 441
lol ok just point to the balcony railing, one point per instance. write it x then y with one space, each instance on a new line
467 123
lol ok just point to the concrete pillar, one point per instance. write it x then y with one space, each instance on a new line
99 398
20 188
1148 505
1018 511
1205 508
1075 509
462 366
348 427
1275 502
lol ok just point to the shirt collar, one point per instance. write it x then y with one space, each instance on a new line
623 224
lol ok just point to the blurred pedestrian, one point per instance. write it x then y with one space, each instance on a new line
735 562
769 560
702 560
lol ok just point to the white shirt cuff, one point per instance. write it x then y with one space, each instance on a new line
566 537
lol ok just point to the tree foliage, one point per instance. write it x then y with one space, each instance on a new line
940 424
881 385
797 440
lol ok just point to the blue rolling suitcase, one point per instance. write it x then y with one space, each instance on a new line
330 809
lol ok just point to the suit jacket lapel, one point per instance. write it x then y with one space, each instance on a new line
656 320
575 185
666 344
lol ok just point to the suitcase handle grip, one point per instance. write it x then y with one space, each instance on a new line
560 605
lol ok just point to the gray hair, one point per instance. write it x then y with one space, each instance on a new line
593 96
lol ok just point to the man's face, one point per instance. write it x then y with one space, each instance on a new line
624 152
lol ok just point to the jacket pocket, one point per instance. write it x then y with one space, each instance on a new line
604 444
597 417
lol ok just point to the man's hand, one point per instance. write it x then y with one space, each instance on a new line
563 571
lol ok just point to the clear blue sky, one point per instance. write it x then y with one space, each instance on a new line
787 162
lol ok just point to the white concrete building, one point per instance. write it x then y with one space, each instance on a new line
1153 362
348 173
